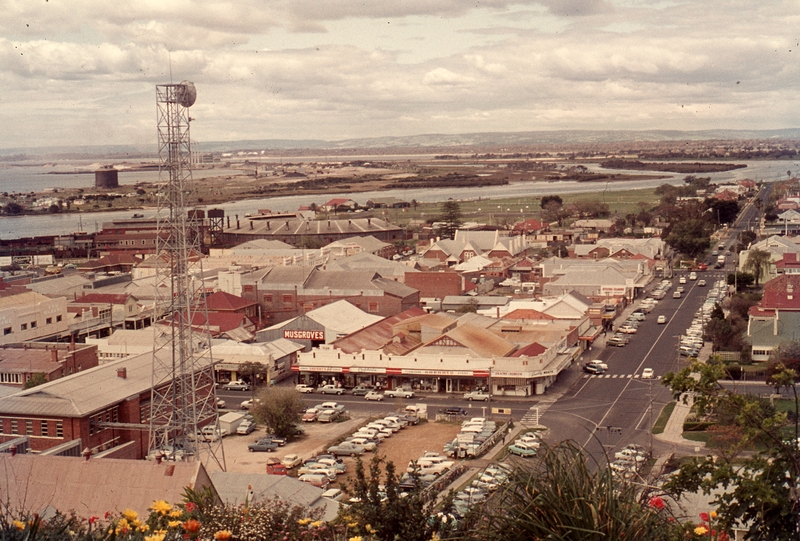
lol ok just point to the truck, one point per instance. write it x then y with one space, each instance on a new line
399 393
721 259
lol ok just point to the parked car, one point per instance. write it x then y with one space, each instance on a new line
332 406
220 403
477 395
245 427
618 340
630 454
367 443
360 391
316 467
263 445
346 449
237 385
292 461
310 415
316 479
303 388
331 389
628 328
373 395
328 416
334 494
211 433
281 441
275 467
399 393
520 449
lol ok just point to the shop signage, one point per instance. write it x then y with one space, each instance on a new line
368 370
290 334
417 372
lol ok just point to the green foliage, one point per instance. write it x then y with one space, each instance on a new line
385 511
558 496
760 490
689 237
757 263
452 218
35 379
551 199
279 408
741 280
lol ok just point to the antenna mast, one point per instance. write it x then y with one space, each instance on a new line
183 399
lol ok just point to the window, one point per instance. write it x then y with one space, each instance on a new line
43 428
373 307
58 319
5 377
287 301
14 426
7 330
33 324
48 321
23 327
59 429
268 298
29 427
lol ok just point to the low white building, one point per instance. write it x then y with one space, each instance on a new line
32 316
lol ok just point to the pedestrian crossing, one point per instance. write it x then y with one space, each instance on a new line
617 376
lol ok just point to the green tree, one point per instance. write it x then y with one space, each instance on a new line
393 513
279 408
35 379
741 280
760 489
551 199
13 208
757 262
689 237
451 216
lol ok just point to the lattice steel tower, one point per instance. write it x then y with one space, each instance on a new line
183 397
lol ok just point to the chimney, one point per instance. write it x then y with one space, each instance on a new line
13 450
54 355
122 373
86 453
251 225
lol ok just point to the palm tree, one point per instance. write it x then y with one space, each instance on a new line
758 262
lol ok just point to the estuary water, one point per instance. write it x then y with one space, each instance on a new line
31 179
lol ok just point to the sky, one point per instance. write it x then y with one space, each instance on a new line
83 72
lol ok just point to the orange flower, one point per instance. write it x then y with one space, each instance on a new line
192 526
223 535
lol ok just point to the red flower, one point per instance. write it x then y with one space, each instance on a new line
192 526
656 502
723 536
93 519
106 515
704 517
190 507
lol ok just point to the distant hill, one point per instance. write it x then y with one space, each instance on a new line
421 143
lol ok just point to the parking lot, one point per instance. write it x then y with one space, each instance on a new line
407 444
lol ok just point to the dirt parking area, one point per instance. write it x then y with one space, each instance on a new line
406 445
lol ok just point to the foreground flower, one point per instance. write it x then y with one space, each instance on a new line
704 517
192 526
701 530
356 538
223 535
174 523
656 502
161 507
157 536
18 524
130 514
303 521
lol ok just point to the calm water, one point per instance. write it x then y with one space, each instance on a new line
33 179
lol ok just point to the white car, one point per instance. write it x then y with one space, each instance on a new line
661 320
682 280
648 373
303 388
291 461
373 395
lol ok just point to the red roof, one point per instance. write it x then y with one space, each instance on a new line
789 261
531 350
527 313
337 201
379 335
530 225
781 293
219 300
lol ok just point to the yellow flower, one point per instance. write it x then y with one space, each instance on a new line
18 524
713 514
130 514
316 524
303 521
352 524
700 530
143 527
223 535
434 537
356 538
174 523
369 528
157 536
136 523
176 513
122 526
161 507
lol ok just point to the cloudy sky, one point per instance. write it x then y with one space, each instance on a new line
84 71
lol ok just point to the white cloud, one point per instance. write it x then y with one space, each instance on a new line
345 68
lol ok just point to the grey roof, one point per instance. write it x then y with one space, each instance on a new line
60 286
394 288
234 488
368 261
261 244
762 330
88 391
342 317
286 276
367 243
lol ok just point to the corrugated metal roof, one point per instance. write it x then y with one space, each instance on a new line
23 299
41 484
88 391
377 335
481 342
342 317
